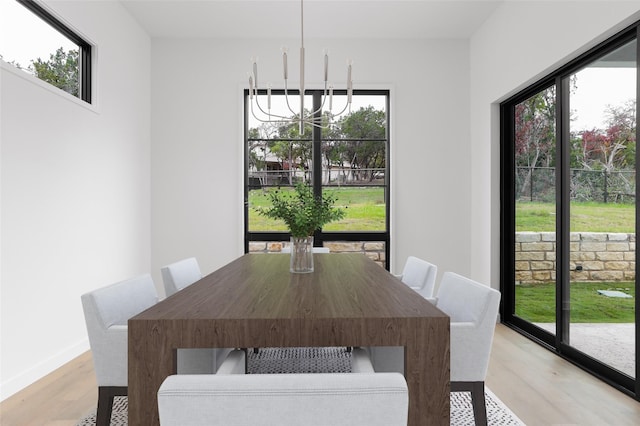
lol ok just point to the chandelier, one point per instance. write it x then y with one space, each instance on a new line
303 117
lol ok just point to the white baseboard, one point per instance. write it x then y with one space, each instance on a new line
20 381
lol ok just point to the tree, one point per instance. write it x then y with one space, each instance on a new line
364 155
61 70
258 149
614 147
295 152
535 134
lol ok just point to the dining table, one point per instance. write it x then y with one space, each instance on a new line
255 302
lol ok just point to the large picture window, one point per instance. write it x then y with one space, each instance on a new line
347 157
569 211
34 41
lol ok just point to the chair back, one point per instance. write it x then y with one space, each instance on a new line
179 275
473 309
420 275
373 399
106 312
465 300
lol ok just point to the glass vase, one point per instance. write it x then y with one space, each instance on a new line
301 255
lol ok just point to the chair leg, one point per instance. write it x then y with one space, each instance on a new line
477 399
105 403
479 403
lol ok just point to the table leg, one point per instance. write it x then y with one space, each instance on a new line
427 370
151 360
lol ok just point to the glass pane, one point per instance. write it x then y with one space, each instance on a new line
354 162
281 113
365 208
259 198
535 250
362 104
32 45
279 162
354 153
602 209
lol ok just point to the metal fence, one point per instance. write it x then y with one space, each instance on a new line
334 176
539 184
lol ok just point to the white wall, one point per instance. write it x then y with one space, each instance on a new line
196 153
74 193
518 44
87 199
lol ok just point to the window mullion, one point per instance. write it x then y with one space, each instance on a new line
317 158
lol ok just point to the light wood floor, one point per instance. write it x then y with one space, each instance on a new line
538 386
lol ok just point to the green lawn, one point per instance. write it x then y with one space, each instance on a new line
365 210
536 303
585 217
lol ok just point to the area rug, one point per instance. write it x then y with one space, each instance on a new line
333 360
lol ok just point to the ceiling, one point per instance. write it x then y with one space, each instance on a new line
359 19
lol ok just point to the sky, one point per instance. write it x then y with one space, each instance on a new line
597 88
24 36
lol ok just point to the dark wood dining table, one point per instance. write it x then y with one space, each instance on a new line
255 302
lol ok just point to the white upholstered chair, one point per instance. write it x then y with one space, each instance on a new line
473 309
176 277
106 313
180 274
364 397
361 398
420 275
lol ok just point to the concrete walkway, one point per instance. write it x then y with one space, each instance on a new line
613 344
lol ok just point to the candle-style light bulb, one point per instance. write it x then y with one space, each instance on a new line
349 83
285 51
326 65
255 71
250 87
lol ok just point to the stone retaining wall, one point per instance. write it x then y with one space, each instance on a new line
595 256
373 250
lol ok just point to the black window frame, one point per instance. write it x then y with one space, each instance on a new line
85 48
316 139
556 342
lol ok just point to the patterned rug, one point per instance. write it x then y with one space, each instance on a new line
333 360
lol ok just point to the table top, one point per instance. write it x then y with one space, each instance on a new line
260 286
255 301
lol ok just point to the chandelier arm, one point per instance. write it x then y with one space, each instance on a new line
346 106
324 98
303 117
286 97
261 120
270 114
282 118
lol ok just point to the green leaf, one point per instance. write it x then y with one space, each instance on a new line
302 211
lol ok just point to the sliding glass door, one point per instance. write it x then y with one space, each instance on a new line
600 301
535 194
569 217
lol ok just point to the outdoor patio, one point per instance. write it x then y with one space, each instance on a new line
613 344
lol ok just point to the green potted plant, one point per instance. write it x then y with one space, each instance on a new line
303 213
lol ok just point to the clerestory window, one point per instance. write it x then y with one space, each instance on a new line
36 42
